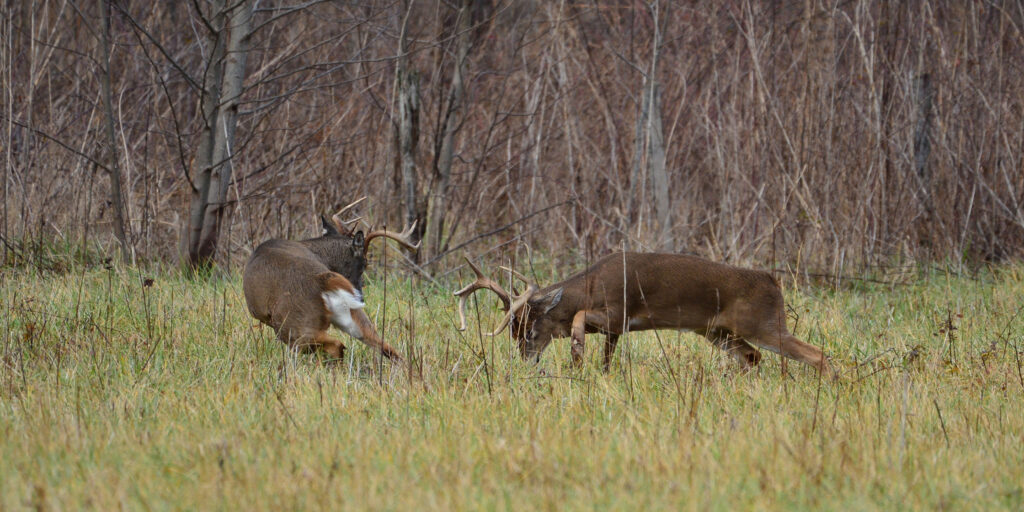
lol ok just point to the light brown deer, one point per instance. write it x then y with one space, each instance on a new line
735 308
301 288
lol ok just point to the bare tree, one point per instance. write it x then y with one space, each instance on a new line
450 124
649 143
836 163
112 158
228 33
407 86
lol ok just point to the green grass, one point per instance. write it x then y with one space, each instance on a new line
118 395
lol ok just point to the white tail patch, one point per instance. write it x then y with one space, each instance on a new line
340 304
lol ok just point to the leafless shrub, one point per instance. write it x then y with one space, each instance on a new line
817 134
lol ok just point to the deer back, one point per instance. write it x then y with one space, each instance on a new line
666 290
285 279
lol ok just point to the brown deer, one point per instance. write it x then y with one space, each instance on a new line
300 288
735 308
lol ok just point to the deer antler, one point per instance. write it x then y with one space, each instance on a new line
350 205
513 303
404 238
518 301
342 224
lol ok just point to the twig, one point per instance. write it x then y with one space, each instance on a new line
499 229
941 421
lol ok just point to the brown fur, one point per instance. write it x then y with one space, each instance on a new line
283 284
332 281
734 308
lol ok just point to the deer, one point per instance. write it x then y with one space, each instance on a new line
302 287
738 310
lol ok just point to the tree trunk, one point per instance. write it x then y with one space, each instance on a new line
222 87
656 167
649 153
407 83
408 138
113 160
452 121
922 140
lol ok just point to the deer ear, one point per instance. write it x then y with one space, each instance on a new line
548 301
358 240
330 228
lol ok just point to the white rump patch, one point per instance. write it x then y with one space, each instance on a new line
341 303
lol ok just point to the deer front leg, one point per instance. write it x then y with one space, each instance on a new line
610 341
597 321
579 333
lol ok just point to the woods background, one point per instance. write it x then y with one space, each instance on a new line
814 133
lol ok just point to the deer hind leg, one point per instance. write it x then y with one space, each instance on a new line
610 342
345 309
789 346
310 341
334 348
737 347
365 332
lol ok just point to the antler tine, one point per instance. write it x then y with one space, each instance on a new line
350 205
481 282
403 238
517 304
479 275
517 274
345 226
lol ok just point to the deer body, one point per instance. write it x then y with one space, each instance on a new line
734 308
301 288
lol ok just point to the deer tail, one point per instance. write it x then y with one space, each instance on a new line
340 299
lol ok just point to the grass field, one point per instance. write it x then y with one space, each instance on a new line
135 389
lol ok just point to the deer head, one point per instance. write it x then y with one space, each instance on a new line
527 313
343 248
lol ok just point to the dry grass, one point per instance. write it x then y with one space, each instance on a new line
118 395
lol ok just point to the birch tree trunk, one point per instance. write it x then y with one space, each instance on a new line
656 167
650 147
451 124
222 88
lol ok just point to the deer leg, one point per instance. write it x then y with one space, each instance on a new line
579 333
737 347
299 341
611 340
363 331
790 346
597 321
334 348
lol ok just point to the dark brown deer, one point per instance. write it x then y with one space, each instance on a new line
735 308
301 288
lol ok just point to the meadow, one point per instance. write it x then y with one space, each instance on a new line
147 389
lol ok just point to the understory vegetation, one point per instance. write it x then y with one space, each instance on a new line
150 389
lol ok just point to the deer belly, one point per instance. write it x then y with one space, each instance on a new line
637 323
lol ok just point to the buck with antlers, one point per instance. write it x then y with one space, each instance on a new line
301 288
736 309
